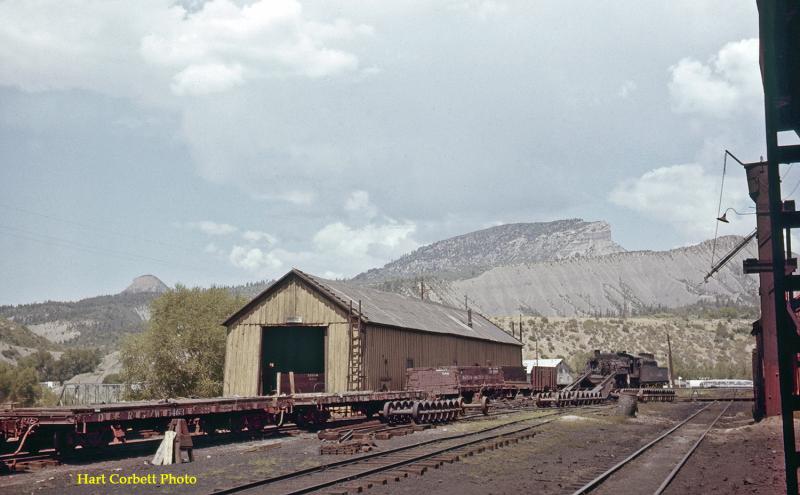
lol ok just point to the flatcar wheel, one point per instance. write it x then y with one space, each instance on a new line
485 405
415 416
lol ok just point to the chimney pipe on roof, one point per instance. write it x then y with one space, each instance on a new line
469 317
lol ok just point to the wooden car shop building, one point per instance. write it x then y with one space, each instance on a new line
313 326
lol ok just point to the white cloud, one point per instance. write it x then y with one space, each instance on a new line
683 196
212 248
358 203
207 78
136 49
212 228
254 260
370 241
339 250
295 197
729 84
626 89
258 236
223 44
482 9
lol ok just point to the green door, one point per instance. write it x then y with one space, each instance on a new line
291 348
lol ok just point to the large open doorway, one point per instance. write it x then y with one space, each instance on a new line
293 348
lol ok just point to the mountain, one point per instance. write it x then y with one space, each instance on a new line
100 321
626 283
562 268
93 322
471 254
146 284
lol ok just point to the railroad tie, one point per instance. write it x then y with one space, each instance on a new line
414 469
380 479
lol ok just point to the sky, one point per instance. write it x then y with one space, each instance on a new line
225 141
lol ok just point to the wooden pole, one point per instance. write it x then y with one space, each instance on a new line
669 363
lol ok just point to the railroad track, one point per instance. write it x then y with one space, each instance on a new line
653 467
356 474
145 446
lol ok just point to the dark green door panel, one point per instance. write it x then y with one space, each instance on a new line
291 348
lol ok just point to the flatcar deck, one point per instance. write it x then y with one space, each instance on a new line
126 411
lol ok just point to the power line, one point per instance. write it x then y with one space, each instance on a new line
793 190
719 206
96 228
50 240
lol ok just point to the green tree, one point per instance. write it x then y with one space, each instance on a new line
74 362
42 362
20 385
182 351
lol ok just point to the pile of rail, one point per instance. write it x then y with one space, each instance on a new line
648 394
569 398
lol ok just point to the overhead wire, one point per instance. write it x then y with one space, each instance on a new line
95 228
50 240
719 206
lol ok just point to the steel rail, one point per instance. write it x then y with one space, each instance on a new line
345 462
411 460
600 479
686 457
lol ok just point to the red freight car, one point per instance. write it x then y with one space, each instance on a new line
544 379
468 381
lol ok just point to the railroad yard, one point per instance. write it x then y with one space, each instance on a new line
541 450
379 278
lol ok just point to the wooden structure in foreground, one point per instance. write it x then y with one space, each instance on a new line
359 338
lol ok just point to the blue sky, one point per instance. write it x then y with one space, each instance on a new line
223 142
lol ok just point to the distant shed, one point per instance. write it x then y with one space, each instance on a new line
311 326
561 370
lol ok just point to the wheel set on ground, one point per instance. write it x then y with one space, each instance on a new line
423 411
568 398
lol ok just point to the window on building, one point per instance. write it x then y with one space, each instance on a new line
409 363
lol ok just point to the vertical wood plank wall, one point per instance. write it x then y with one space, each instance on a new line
294 298
387 350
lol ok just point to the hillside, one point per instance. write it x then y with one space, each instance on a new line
471 254
717 348
93 322
17 341
100 321
625 283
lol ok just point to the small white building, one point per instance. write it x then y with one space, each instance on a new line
564 375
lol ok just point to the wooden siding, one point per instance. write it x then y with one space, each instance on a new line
294 298
388 349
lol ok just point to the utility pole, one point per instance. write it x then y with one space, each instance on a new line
669 363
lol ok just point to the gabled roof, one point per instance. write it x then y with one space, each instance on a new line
389 309
542 363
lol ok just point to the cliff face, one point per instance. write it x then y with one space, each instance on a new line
620 283
471 254
565 268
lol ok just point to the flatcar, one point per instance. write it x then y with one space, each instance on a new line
469 382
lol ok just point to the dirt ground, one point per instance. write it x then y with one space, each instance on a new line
739 457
